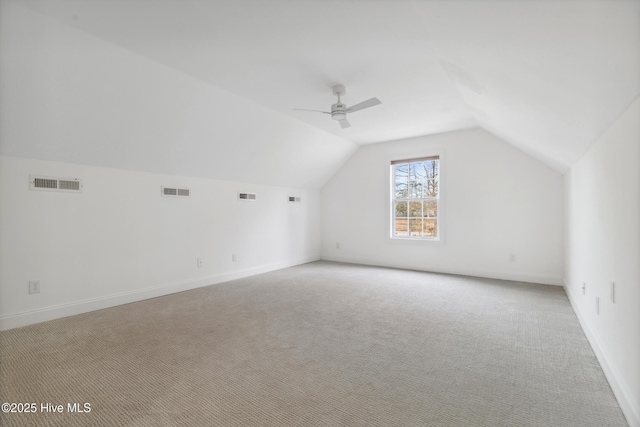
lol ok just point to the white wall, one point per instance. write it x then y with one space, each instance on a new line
496 201
603 246
120 241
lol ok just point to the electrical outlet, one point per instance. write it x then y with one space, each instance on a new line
234 257
584 288
34 287
512 257
199 262
337 245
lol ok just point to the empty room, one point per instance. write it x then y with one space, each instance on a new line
319 213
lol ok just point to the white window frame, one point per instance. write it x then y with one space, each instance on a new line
389 166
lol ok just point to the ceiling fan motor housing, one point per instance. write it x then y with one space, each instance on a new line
338 111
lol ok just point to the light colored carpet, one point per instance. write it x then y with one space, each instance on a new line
321 344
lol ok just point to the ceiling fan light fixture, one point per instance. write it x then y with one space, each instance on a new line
339 115
338 111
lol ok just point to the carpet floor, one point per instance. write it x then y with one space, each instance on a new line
320 344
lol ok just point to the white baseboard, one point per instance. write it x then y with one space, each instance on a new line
78 307
490 274
629 406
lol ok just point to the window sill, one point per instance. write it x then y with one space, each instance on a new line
420 240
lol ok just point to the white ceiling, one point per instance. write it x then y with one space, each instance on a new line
546 76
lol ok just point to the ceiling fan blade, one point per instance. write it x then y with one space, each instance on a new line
344 124
317 111
365 104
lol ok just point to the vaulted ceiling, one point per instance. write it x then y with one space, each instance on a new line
545 76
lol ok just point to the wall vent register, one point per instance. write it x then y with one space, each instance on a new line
46 183
175 192
246 196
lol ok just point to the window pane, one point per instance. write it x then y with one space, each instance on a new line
401 190
430 209
401 169
414 170
430 228
415 225
431 189
401 209
420 170
415 209
423 189
414 189
431 168
400 227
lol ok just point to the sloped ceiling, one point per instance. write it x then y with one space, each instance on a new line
546 76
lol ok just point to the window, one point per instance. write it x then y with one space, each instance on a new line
415 192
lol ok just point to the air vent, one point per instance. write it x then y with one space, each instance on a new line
175 192
65 185
294 199
45 183
69 185
246 196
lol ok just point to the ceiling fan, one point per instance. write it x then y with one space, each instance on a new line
339 111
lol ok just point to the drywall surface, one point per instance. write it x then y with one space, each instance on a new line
496 201
119 240
603 247
71 97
